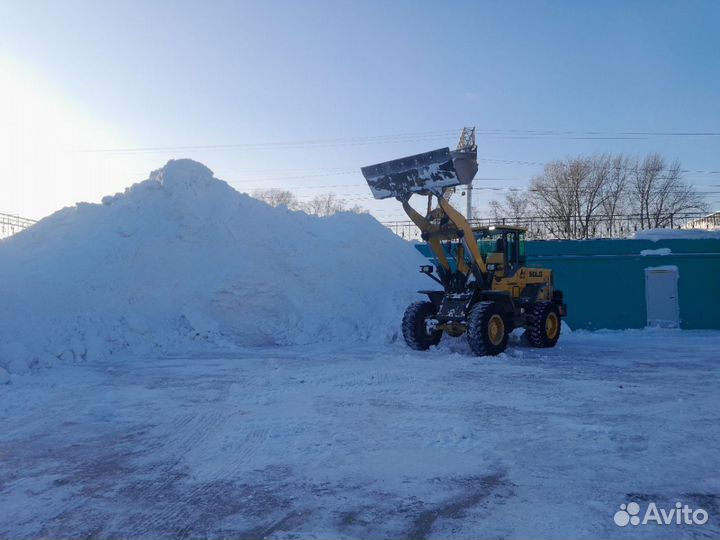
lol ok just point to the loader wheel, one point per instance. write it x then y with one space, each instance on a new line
544 328
486 329
414 326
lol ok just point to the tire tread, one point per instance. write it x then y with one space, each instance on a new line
410 330
477 326
535 332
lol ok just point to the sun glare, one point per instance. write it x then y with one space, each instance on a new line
42 137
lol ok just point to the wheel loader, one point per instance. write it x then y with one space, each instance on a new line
487 291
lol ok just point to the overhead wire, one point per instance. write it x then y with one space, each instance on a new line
413 136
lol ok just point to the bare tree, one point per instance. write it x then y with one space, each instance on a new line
277 197
327 204
573 195
645 177
556 197
581 196
324 204
513 209
357 209
659 192
615 192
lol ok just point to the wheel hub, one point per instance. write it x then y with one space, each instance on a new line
496 329
552 325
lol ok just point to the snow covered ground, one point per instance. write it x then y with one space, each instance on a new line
375 441
186 361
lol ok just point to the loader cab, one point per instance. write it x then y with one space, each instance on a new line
502 248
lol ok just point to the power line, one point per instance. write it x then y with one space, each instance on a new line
414 136
572 133
542 164
347 141
475 187
240 181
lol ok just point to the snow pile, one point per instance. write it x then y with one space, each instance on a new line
183 258
655 235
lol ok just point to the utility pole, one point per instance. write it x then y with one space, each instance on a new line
468 211
465 158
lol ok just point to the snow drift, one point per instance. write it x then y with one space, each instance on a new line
183 258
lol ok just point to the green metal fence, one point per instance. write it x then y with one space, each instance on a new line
604 280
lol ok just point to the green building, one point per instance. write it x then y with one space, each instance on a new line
633 283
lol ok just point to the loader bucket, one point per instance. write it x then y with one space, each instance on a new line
413 174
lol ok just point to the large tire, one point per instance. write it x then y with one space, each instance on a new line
486 329
544 327
414 326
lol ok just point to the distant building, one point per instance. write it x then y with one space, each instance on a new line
709 222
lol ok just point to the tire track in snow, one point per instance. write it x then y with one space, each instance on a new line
180 512
172 477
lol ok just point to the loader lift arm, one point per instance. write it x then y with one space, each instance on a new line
451 225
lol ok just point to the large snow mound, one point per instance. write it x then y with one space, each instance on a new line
183 258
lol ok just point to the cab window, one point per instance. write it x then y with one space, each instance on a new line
487 242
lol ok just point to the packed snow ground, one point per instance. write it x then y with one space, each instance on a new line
371 441
227 369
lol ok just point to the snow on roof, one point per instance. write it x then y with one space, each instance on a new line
655 252
675 234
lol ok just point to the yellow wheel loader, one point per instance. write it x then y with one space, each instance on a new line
487 289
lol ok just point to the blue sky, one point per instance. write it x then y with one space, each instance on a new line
173 74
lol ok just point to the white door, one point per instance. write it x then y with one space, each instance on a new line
661 296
